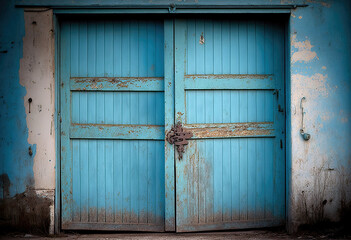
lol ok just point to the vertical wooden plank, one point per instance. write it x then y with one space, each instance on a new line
117 48
200 47
226 47
100 48
268 48
118 180
83 118
169 121
251 48
243 178
151 201
125 51
218 118
268 177
200 118
134 48
226 178
190 47
126 181
243 67
260 183
209 194
234 47
209 45
203 180
100 117
74 50
160 183
151 53
243 107
76 196
100 68
251 182
143 184
218 156
142 57
227 182
134 181
84 180
109 107
109 41
217 42
260 42
109 180
180 56
235 171
92 144
260 156
160 106
226 118
101 192
82 49
159 49
134 119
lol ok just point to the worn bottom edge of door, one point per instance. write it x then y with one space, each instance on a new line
230 225
113 227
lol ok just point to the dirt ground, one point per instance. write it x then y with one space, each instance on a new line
247 234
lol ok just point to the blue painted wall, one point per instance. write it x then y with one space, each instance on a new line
320 36
16 164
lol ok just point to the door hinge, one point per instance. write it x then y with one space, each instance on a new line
172 8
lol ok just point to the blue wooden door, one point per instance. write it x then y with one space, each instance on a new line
229 91
112 130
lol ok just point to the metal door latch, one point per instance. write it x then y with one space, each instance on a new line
178 137
304 135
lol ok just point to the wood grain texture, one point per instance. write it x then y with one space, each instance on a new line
228 85
113 125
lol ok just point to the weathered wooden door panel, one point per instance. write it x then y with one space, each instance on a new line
229 91
112 109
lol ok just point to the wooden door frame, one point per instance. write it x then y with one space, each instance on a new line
168 96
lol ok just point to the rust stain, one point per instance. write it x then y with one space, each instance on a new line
238 129
225 76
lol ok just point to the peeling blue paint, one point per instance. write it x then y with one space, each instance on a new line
326 24
15 160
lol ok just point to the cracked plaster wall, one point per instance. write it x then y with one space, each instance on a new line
320 71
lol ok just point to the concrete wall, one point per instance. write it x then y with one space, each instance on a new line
319 170
320 68
27 66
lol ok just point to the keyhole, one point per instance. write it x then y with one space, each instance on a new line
30 101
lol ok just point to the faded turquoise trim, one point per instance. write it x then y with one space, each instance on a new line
166 11
195 4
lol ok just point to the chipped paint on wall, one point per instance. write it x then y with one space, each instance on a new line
16 164
304 52
37 76
321 167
